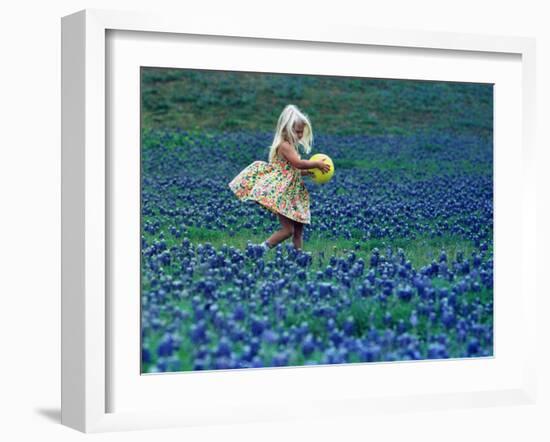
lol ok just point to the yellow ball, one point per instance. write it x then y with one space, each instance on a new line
318 176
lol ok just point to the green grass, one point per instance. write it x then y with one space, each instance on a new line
217 100
420 251
413 168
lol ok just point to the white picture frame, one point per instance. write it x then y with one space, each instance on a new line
85 211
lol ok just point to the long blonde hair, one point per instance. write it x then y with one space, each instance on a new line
288 118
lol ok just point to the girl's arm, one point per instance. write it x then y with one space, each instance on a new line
290 154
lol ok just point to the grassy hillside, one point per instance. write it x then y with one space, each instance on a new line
227 101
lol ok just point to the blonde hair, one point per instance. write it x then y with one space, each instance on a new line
288 118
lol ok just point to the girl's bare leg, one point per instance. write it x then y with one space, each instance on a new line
285 232
298 235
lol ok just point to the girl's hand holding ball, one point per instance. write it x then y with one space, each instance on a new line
324 170
323 166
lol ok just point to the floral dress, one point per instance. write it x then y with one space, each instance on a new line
278 186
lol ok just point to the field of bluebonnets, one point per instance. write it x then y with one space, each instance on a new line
397 263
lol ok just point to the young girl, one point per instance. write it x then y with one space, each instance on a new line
278 185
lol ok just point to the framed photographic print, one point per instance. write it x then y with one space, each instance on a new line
391 261
260 225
